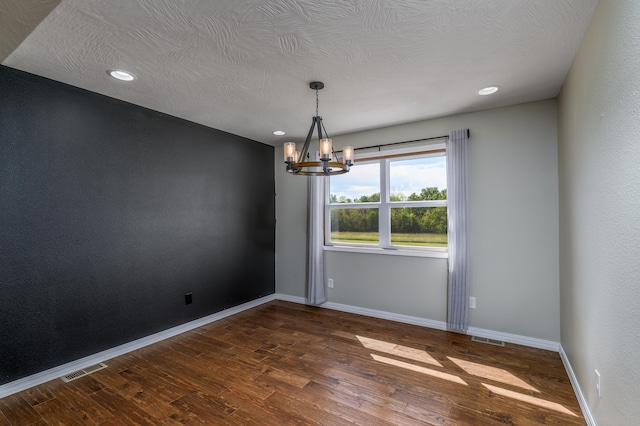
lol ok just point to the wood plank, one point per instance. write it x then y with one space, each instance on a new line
196 406
302 412
196 374
148 393
3 420
171 381
122 408
114 422
293 379
76 401
257 411
86 384
56 413
37 395
18 411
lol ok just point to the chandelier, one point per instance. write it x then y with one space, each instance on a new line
299 163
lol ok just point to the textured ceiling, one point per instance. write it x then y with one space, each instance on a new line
243 66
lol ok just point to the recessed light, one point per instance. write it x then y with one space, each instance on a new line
490 90
278 133
121 75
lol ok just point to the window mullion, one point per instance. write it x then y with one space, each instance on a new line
425 203
384 215
355 205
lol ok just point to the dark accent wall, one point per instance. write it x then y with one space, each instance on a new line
110 213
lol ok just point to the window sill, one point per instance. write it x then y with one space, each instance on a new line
389 251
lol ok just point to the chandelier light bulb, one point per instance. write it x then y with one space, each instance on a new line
347 155
290 152
325 149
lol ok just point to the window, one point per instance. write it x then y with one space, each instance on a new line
391 201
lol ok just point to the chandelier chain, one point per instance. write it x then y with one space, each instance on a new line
317 103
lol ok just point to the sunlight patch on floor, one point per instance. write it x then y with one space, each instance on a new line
472 368
419 369
492 373
530 400
398 350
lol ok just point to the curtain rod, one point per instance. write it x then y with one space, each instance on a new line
403 142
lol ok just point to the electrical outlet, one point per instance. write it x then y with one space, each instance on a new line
188 298
330 282
472 302
598 385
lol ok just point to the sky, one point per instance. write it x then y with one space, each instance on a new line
407 176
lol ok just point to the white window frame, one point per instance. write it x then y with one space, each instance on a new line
385 205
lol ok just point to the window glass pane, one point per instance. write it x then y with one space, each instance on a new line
354 226
419 226
361 184
418 179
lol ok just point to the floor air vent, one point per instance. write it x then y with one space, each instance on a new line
488 341
85 371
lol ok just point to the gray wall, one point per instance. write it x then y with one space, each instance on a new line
513 225
599 163
110 213
16 25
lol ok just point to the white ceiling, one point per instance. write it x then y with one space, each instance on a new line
243 66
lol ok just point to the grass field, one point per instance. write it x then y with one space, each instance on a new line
415 240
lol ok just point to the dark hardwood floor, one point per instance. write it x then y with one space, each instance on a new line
288 364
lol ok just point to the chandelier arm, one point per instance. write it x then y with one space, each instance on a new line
318 120
307 141
325 130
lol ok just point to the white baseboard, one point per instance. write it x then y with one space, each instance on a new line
438 325
62 370
289 298
374 313
407 319
586 412
532 342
